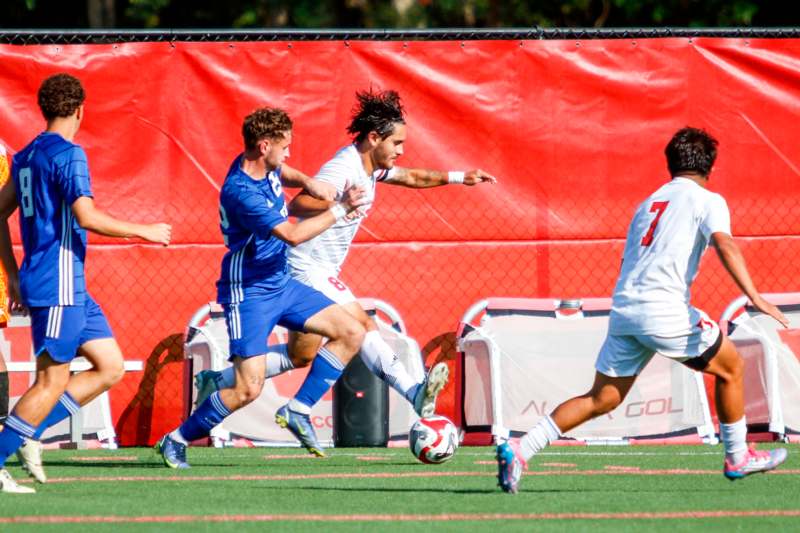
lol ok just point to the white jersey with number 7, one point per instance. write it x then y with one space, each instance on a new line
666 239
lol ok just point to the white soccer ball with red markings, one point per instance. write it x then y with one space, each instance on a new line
433 439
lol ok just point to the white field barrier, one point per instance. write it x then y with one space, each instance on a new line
772 361
92 426
207 347
528 355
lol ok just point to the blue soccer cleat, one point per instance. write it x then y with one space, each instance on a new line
428 391
754 462
510 464
300 426
172 451
206 384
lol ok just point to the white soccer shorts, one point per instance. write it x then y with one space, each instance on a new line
627 355
326 283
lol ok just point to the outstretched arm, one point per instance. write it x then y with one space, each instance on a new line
419 178
291 177
95 220
733 261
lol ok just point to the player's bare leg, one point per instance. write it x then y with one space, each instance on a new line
249 373
278 362
727 367
51 380
381 360
604 396
106 358
249 382
345 336
107 370
303 347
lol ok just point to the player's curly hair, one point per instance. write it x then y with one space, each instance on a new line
60 95
691 150
265 123
376 111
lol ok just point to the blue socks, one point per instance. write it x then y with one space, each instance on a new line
325 371
14 431
65 407
210 413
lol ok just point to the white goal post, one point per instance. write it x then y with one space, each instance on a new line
772 362
525 356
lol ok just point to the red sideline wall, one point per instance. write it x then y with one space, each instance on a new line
574 131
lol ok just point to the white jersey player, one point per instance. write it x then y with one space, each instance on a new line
318 262
651 313
379 130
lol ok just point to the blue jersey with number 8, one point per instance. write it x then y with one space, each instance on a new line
49 175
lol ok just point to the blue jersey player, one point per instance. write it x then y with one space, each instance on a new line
51 186
255 288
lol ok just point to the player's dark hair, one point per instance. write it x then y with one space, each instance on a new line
376 111
265 123
691 150
60 95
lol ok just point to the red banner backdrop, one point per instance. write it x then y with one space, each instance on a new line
574 131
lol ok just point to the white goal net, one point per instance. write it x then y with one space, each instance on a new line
528 355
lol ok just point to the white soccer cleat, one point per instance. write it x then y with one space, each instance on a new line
425 400
754 462
30 455
8 485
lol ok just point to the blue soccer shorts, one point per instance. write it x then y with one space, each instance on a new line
251 321
60 330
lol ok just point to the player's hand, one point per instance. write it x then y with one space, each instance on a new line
15 305
768 309
474 177
320 190
354 197
159 233
355 214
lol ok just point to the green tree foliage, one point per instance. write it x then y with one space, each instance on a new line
397 13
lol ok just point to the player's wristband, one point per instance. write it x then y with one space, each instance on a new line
338 211
455 177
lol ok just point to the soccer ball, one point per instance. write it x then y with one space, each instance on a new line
433 439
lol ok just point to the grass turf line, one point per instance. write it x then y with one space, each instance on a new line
617 492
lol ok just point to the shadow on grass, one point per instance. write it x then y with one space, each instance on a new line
100 464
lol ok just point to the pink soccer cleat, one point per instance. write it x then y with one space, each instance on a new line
510 464
755 461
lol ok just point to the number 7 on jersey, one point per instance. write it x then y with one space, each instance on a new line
658 208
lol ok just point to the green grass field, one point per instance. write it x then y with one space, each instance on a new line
602 488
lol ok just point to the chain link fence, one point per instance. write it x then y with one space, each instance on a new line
433 253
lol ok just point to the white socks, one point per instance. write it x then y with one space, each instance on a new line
539 437
384 363
176 436
278 362
734 437
299 407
